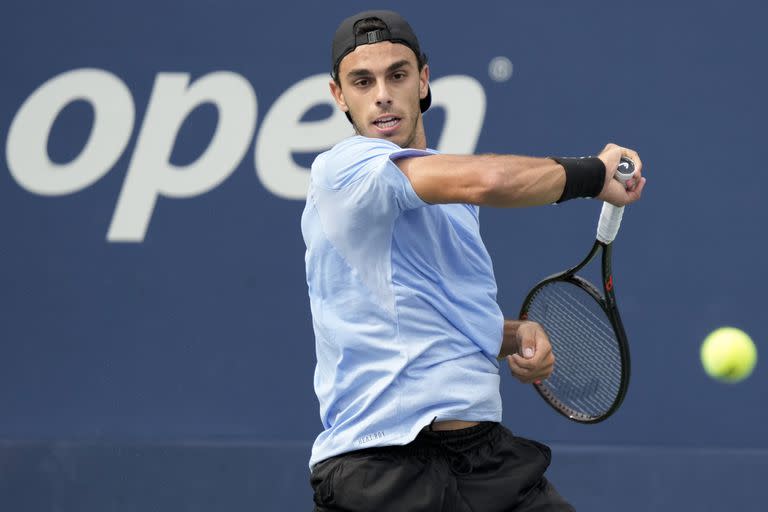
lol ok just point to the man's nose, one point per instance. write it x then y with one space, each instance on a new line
383 96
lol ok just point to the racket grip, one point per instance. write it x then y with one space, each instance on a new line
609 223
610 216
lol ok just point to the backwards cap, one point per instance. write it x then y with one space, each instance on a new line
398 31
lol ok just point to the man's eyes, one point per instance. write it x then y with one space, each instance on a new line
365 82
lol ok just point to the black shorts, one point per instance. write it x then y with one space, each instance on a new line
478 469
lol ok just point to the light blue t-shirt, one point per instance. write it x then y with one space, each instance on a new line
403 301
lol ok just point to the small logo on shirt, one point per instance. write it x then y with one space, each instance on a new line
370 437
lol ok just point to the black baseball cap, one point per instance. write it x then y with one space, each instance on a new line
398 31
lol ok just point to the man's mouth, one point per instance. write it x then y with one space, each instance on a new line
386 122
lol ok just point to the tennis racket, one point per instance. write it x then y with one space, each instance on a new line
591 372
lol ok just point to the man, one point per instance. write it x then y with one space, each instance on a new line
408 331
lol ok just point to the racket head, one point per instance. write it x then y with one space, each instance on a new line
592 367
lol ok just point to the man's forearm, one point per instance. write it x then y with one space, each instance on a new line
490 180
523 181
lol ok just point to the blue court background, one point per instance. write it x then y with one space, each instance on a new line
175 373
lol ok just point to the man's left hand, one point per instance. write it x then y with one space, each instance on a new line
534 360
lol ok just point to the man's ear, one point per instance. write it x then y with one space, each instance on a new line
338 96
424 82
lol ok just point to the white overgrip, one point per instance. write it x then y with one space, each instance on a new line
609 223
610 216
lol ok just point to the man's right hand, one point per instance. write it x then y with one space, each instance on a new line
614 191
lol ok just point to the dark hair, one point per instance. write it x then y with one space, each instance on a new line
369 25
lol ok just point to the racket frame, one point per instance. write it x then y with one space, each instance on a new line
607 301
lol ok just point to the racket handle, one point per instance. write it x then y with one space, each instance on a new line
609 223
610 216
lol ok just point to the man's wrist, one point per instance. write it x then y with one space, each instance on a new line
584 177
510 342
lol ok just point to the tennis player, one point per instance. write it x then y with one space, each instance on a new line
408 333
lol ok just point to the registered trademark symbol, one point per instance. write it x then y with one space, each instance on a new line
500 69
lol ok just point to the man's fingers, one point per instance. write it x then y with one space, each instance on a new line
618 151
617 195
637 191
524 375
545 361
528 347
522 363
529 375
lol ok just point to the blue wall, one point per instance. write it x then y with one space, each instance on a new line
143 363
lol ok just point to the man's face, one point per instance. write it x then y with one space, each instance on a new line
380 88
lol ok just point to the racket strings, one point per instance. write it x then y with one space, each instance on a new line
586 323
588 368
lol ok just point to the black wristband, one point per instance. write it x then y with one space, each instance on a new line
584 177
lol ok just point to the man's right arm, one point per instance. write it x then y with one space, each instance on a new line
508 180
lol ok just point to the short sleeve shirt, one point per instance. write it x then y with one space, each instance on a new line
403 301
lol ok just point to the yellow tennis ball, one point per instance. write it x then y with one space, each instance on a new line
728 354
